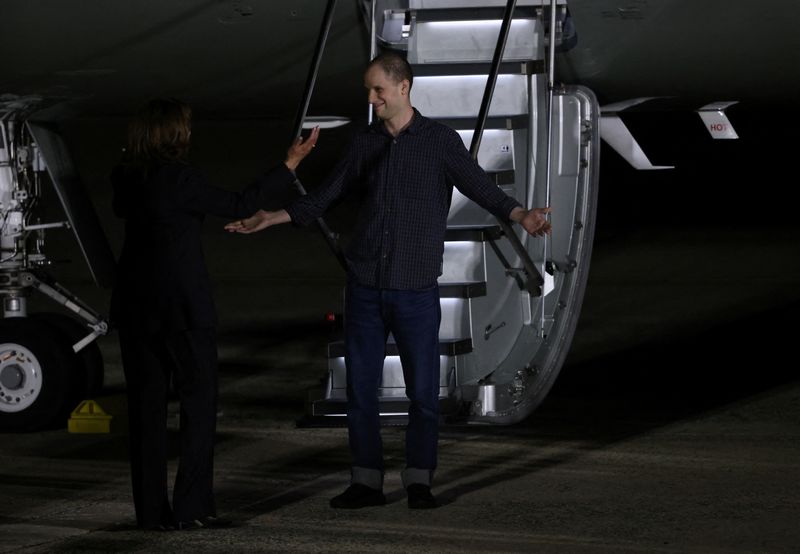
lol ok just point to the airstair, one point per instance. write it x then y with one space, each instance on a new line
510 302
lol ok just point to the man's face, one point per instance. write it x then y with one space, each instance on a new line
387 97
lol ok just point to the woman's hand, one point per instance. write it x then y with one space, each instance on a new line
258 221
300 149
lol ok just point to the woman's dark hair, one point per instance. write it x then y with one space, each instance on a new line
159 132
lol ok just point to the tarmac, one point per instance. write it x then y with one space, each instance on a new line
673 427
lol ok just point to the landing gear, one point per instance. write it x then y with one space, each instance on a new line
89 360
42 377
38 382
49 361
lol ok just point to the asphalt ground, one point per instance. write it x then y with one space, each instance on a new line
673 427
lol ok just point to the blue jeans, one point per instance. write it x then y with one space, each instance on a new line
413 317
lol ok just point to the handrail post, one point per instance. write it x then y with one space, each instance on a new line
329 236
492 78
327 19
551 46
535 280
373 46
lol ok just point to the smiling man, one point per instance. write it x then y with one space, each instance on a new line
403 167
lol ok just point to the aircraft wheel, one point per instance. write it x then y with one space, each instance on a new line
90 360
36 370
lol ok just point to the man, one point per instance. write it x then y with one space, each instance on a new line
404 167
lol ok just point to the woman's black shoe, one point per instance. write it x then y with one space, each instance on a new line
161 527
207 522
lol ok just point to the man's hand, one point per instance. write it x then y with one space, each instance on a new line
300 149
258 221
533 221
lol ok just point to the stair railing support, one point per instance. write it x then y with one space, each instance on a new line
302 110
551 66
534 279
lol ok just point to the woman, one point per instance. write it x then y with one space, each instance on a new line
163 307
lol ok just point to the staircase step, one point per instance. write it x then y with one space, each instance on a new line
392 382
447 347
469 35
462 290
506 177
461 95
530 67
496 152
464 256
450 4
468 122
464 211
393 412
480 12
473 234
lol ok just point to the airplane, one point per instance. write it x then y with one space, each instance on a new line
532 115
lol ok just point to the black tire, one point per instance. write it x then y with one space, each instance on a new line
31 347
90 360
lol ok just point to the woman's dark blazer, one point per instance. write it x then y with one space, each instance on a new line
162 282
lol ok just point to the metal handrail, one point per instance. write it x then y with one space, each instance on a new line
535 280
322 38
329 236
551 46
373 45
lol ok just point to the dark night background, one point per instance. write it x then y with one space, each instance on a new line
673 425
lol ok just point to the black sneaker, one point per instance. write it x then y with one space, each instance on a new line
420 497
207 522
358 496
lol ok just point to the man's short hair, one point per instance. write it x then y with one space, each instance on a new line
395 66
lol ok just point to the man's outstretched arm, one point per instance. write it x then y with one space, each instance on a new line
465 173
258 221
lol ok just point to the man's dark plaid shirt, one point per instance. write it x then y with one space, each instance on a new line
405 184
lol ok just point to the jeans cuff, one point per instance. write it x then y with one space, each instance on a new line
413 476
373 478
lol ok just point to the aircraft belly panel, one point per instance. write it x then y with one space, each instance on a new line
76 203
